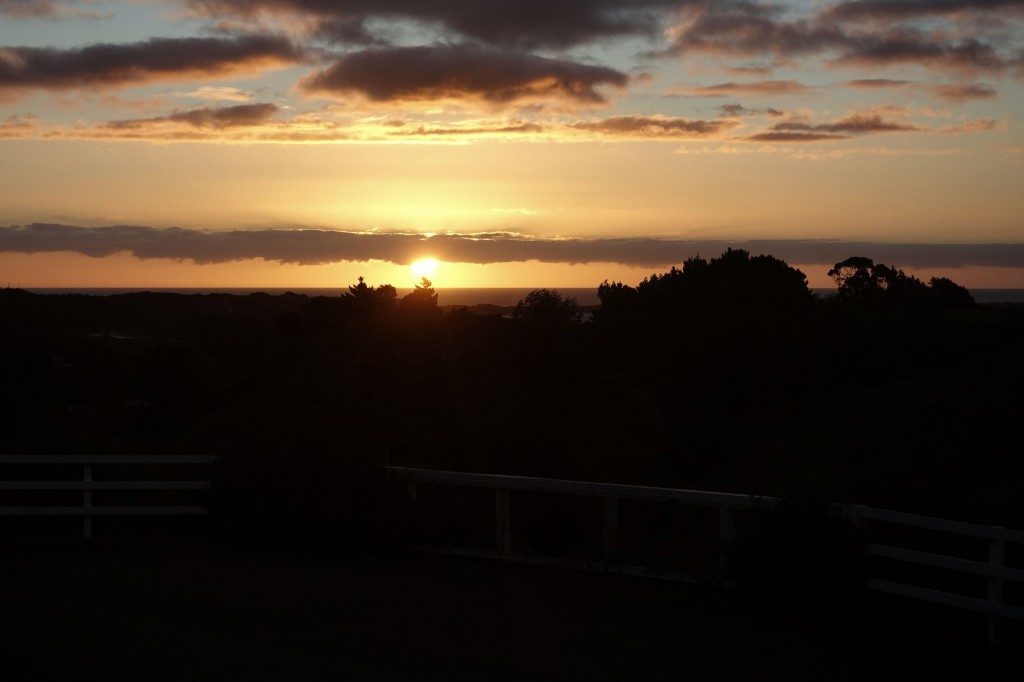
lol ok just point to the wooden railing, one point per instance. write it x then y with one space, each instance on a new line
610 494
728 506
87 485
994 569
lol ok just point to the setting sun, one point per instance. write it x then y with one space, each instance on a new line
424 267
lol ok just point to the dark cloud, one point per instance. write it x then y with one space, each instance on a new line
778 136
741 28
326 246
747 28
655 126
209 117
503 23
963 92
858 10
104 64
751 69
736 110
44 9
27 8
779 87
917 47
517 127
733 110
461 72
854 124
799 130
977 125
954 92
877 83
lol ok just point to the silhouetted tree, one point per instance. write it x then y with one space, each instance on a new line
366 299
547 306
949 295
717 287
859 279
422 300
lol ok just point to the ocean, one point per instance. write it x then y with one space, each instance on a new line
456 296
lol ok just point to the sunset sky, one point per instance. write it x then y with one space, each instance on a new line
520 142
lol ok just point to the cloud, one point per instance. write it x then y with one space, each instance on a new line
954 92
977 125
16 127
800 130
789 136
859 10
751 69
653 127
241 115
964 92
737 109
156 59
220 93
857 124
44 9
748 28
461 73
256 123
917 47
854 124
427 131
309 247
780 87
515 24
806 152
877 83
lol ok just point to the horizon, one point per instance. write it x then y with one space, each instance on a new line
506 297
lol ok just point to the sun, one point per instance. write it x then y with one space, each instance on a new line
424 267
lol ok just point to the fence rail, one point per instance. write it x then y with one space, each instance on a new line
729 505
87 485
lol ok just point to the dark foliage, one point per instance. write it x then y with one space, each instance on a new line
726 374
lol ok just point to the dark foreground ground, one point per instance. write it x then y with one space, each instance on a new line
109 611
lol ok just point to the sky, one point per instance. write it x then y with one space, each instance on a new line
518 142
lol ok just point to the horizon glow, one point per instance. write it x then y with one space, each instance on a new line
699 121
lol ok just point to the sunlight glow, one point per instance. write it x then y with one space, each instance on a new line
424 267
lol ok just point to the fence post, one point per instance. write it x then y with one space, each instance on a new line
996 559
87 502
726 534
611 527
503 529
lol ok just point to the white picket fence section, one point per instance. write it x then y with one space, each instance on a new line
728 505
88 485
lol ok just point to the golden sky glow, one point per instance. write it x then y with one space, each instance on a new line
505 119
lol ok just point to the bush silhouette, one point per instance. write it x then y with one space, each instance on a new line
547 307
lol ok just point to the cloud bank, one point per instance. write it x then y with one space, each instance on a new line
44 9
156 59
461 72
241 115
862 33
519 24
311 247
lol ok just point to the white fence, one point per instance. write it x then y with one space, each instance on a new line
728 505
87 485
